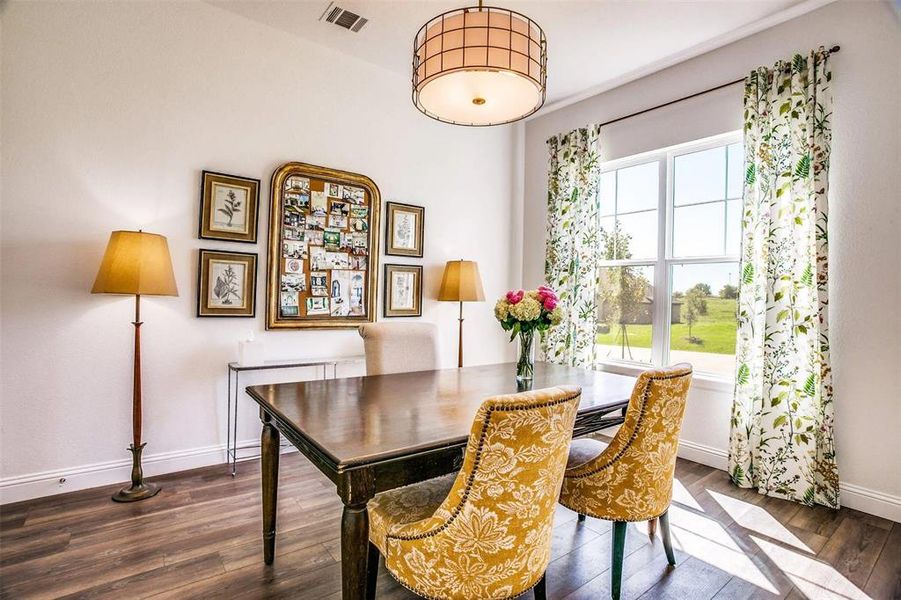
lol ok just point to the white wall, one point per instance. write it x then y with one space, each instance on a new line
110 112
865 217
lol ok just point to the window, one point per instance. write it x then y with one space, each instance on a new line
629 203
670 226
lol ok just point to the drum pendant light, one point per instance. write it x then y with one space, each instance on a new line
479 66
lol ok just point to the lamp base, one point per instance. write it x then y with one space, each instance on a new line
133 494
139 490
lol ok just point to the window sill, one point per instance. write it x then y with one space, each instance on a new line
704 381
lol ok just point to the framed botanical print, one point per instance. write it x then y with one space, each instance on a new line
229 207
404 231
323 248
403 291
226 284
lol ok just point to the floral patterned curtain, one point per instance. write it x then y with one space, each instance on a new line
782 417
571 259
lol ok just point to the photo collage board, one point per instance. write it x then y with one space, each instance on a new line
323 248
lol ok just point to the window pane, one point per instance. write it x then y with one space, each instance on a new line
703 317
699 176
637 188
699 230
607 193
625 313
733 226
637 237
736 176
632 236
607 239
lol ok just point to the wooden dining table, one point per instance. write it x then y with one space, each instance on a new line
379 432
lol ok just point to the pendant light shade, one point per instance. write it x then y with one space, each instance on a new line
479 66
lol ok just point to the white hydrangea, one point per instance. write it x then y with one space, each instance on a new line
501 309
528 309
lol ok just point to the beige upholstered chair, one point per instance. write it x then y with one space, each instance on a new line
484 532
399 347
632 478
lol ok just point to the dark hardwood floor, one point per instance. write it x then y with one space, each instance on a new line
200 538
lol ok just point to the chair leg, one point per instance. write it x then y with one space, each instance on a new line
372 571
652 528
581 518
619 546
540 589
667 542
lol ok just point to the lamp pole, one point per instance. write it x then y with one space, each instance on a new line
460 339
136 411
139 489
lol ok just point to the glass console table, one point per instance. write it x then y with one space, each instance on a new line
236 369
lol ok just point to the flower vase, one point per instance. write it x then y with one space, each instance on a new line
525 366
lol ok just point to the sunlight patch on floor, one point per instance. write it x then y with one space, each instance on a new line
707 540
757 519
684 497
813 578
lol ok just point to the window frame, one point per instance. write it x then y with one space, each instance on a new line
665 261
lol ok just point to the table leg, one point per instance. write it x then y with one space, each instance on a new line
354 551
270 454
228 426
235 425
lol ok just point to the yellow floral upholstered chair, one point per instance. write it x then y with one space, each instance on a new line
632 478
483 533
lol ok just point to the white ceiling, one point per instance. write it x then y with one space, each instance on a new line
591 45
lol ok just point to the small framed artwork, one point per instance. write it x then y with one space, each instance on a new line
227 284
403 291
404 230
229 207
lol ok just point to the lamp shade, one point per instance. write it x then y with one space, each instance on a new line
136 263
479 66
461 282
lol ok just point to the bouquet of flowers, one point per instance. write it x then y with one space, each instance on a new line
523 313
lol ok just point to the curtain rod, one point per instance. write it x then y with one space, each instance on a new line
832 50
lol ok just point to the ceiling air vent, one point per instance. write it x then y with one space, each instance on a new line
343 18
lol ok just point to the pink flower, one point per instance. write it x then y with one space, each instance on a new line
515 297
550 303
545 292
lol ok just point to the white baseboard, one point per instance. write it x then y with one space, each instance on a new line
871 501
706 455
853 496
49 483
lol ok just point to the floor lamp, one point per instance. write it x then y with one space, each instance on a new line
461 283
136 263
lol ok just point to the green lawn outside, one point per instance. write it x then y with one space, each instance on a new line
715 330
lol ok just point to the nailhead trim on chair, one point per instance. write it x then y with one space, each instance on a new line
469 482
641 412
475 463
